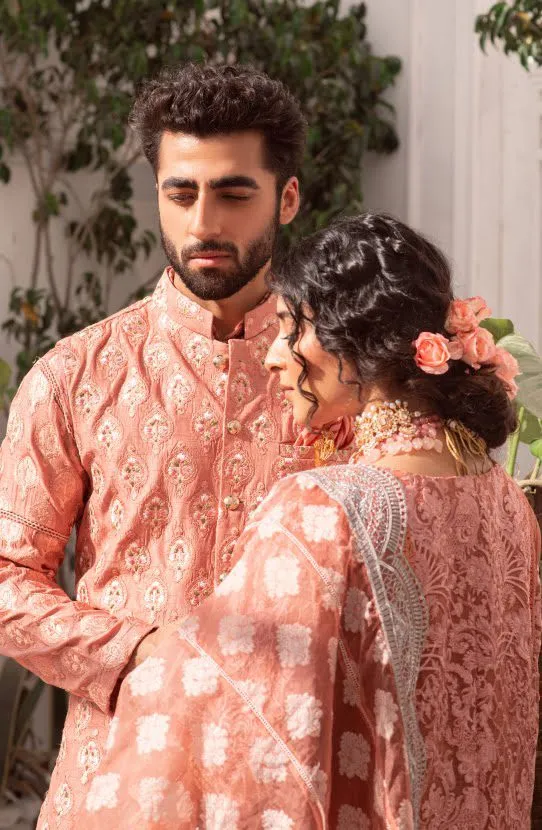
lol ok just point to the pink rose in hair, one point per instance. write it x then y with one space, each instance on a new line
507 365
478 347
511 388
460 317
480 308
433 351
465 315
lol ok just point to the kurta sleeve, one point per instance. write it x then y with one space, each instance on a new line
42 495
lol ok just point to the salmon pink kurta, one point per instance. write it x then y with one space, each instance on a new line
156 441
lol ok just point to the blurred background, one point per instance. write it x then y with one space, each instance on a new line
428 109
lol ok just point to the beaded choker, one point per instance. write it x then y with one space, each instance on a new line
390 428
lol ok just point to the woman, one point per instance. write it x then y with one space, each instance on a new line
371 660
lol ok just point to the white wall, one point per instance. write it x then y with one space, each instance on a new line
468 173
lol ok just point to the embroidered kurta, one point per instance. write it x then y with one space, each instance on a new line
156 441
369 663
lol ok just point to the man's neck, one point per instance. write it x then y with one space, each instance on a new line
229 313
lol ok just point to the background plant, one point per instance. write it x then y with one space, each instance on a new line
517 27
68 71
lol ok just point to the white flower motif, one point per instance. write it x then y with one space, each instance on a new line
200 677
257 692
220 813
148 677
334 595
304 713
103 792
281 575
151 733
387 714
293 644
332 651
276 820
215 745
320 523
381 653
305 482
350 691
236 635
352 818
267 761
319 780
354 756
235 580
268 525
150 796
112 734
354 609
189 628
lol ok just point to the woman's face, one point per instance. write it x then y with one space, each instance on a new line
335 397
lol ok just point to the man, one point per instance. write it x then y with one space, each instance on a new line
157 431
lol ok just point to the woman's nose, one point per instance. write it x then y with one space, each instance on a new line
274 360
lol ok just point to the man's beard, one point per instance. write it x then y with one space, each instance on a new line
220 283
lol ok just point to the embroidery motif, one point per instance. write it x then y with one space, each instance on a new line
179 390
113 360
134 392
181 468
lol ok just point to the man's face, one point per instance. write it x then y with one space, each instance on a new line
219 210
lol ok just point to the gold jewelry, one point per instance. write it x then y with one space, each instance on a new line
389 428
324 447
462 441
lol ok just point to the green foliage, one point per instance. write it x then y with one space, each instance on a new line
68 74
529 397
6 390
517 27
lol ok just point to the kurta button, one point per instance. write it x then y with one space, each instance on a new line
220 361
233 427
231 502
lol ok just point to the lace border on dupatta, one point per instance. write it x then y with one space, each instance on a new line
375 506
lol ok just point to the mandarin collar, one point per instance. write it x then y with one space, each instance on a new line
181 310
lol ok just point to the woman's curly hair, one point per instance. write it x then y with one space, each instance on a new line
369 284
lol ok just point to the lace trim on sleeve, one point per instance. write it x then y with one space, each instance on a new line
14 517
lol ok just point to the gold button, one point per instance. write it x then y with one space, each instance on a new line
220 360
233 427
231 502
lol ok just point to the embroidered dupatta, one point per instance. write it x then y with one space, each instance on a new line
261 713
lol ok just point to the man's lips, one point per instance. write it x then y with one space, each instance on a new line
211 255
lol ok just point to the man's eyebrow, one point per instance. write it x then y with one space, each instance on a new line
180 183
234 181
177 182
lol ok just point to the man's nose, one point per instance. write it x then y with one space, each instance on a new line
205 219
